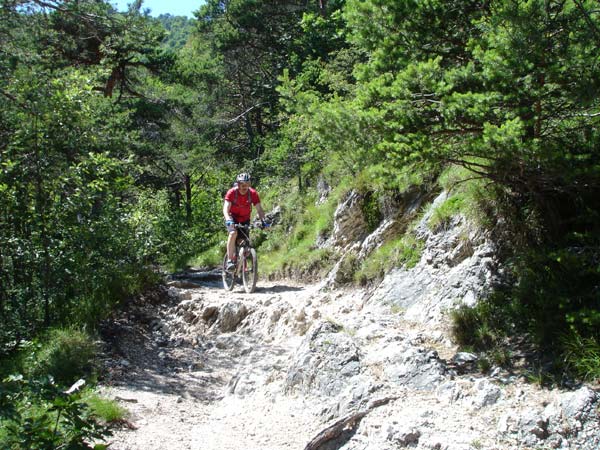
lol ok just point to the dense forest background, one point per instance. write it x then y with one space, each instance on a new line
120 132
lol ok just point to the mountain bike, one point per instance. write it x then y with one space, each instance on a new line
246 266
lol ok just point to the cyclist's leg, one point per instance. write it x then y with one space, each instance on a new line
231 242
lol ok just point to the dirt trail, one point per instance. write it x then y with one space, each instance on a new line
178 387
206 369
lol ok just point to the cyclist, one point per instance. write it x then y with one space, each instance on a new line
237 209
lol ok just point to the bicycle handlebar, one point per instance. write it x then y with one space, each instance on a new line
250 225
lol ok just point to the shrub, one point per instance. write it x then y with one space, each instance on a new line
480 327
551 301
66 354
38 414
465 322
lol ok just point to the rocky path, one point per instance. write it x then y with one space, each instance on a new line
190 380
302 367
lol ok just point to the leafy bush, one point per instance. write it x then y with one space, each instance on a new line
66 355
552 300
37 414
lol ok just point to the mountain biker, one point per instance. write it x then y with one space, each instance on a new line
237 208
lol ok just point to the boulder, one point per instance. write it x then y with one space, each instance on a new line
415 367
326 362
230 316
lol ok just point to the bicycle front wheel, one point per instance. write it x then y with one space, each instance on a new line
228 276
249 269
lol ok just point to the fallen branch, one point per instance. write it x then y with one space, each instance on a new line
350 421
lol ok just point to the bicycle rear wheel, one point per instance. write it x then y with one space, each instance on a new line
228 276
249 269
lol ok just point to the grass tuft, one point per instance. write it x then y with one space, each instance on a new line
212 257
107 410
441 216
66 354
582 356
405 250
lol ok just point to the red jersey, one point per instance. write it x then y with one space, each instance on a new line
241 208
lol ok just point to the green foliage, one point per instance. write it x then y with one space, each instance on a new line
555 293
476 327
470 195
171 242
383 178
249 43
400 251
552 300
301 261
178 28
38 414
371 211
212 257
481 87
104 409
290 248
442 214
501 356
117 139
78 165
65 354
582 356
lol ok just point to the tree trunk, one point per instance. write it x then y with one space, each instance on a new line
40 211
188 199
3 285
322 7
112 81
177 200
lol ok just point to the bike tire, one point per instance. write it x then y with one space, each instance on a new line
249 269
228 277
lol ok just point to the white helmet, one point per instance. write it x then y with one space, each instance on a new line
243 177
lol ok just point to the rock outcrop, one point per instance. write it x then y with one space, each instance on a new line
353 369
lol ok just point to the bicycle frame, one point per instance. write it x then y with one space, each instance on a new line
247 262
243 237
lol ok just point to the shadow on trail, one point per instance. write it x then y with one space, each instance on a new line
206 374
202 367
203 278
138 362
197 278
276 289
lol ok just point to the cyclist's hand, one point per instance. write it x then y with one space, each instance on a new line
229 223
265 224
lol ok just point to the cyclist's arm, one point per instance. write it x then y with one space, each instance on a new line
227 210
259 210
